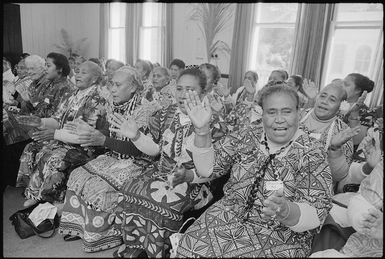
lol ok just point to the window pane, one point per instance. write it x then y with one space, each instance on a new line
273 50
152 14
359 12
116 44
150 47
276 12
353 50
117 15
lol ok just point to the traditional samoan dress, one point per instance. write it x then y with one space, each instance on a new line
22 86
42 166
243 114
161 99
220 232
33 89
50 95
93 189
335 126
152 211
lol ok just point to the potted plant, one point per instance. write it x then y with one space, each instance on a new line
69 47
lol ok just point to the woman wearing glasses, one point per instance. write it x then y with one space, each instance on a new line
279 190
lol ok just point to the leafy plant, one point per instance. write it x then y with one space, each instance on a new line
212 19
68 47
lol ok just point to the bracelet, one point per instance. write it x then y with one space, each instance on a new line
137 136
201 132
288 214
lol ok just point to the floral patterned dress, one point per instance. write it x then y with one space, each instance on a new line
220 230
152 210
43 166
93 195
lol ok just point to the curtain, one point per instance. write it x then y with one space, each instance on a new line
168 15
312 33
240 49
133 22
377 96
104 22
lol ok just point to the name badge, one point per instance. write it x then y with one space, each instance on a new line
274 185
315 135
46 100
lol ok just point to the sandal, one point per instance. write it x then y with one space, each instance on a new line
71 238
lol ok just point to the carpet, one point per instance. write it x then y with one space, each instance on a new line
55 247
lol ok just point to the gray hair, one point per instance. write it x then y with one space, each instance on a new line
35 61
163 70
94 69
133 74
279 87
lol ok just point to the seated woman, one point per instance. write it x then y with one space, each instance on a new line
22 83
296 82
92 195
279 190
161 93
111 66
176 67
144 68
153 203
44 166
357 87
365 215
57 86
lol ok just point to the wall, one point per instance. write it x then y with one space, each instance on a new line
41 25
188 42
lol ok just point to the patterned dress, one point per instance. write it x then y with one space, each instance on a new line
93 195
159 99
220 232
44 167
243 114
152 210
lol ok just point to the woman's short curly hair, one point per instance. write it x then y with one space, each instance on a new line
133 75
279 87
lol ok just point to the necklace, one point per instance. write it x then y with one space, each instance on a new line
259 176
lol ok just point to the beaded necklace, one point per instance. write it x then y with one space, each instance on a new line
255 186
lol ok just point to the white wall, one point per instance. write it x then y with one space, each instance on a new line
41 25
188 42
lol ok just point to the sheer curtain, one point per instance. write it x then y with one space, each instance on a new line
104 20
133 21
311 40
243 25
167 49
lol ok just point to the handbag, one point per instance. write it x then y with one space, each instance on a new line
176 237
25 228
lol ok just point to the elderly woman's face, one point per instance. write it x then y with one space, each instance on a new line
111 68
159 79
328 103
85 78
185 83
250 77
122 87
33 70
21 69
280 117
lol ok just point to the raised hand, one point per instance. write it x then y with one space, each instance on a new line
249 87
182 175
372 150
360 101
214 103
310 88
343 136
222 91
123 126
199 113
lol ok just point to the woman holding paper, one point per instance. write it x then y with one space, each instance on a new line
45 162
279 190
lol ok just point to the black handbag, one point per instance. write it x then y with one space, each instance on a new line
25 228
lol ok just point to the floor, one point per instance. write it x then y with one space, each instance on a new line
35 246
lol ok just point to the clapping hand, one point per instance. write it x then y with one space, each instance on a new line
182 175
43 135
343 136
199 112
310 88
249 87
276 205
91 138
372 150
125 127
372 223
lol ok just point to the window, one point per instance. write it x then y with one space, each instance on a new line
117 32
273 38
362 61
151 39
357 27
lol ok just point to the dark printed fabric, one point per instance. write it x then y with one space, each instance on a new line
220 232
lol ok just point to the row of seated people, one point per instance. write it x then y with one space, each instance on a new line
133 155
